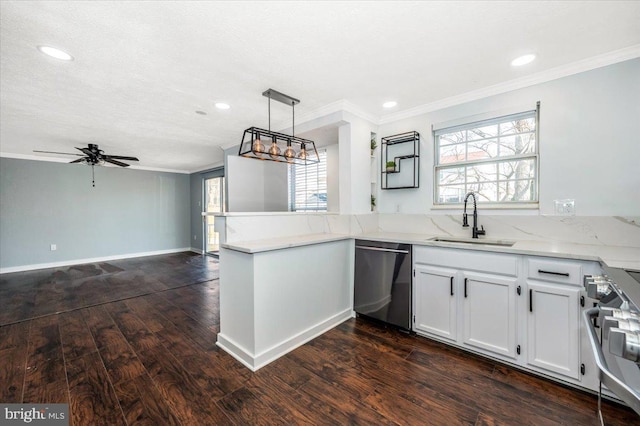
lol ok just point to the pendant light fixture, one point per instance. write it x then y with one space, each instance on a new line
284 148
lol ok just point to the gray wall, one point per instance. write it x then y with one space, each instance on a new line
128 212
589 148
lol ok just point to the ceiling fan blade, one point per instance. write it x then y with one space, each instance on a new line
86 151
79 160
54 152
120 157
117 163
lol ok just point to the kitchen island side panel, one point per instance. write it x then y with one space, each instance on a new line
271 302
237 318
300 293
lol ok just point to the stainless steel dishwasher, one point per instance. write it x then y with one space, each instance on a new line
382 288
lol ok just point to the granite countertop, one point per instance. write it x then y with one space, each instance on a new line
613 256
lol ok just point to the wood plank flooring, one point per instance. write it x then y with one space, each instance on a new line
152 359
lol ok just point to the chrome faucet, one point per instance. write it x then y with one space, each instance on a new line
474 231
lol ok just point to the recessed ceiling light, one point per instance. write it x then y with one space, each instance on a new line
201 112
55 53
222 105
523 60
389 104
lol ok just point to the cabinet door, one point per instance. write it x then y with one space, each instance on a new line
553 328
435 302
489 311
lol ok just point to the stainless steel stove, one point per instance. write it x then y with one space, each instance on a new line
614 331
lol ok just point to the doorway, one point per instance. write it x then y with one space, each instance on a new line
213 203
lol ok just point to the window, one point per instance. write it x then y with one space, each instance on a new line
308 186
497 159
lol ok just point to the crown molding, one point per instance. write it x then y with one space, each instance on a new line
342 105
584 65
65 160
209 167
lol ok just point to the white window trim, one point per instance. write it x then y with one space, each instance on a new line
472 121
291 192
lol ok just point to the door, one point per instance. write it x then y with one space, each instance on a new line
213 203
553 328
435 301
489 311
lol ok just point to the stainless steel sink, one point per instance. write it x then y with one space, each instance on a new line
478 241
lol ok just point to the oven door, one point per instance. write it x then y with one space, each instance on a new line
619 375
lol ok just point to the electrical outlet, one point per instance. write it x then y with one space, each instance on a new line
54 247
565 207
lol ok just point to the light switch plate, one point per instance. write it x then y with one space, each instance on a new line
54 247
565 207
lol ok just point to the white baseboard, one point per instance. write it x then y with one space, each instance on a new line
196 250
89 260
255 362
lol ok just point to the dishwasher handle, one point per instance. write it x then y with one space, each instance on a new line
382 249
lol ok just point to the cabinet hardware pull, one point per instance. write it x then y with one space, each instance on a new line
451 286
382 249
582 301
562 274
519 290
518 349
465 287
583 369
530 300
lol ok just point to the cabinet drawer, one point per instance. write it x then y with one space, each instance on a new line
468 260
559 271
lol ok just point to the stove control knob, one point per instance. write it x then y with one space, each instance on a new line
627 324
621 313
597 286
625 344
597 290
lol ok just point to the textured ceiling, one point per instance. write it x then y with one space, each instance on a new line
141 69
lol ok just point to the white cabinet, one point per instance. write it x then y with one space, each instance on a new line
554 303
489 313
467 298
523 310
553 328
435 302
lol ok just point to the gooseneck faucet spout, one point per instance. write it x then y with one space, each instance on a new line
474 231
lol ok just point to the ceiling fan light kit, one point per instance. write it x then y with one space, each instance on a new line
262 144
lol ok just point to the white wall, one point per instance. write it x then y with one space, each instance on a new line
333 178
355 165
255 186
589 144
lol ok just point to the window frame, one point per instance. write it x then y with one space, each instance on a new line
291 190
535 156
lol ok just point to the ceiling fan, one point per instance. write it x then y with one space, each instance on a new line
93 156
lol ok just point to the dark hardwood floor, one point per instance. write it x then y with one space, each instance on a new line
147 355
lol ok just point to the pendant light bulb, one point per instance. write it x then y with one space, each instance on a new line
274 150
258 147
303 153
289 153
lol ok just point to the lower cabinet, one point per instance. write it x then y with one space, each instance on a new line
489 313
553 328
523 310
435 302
